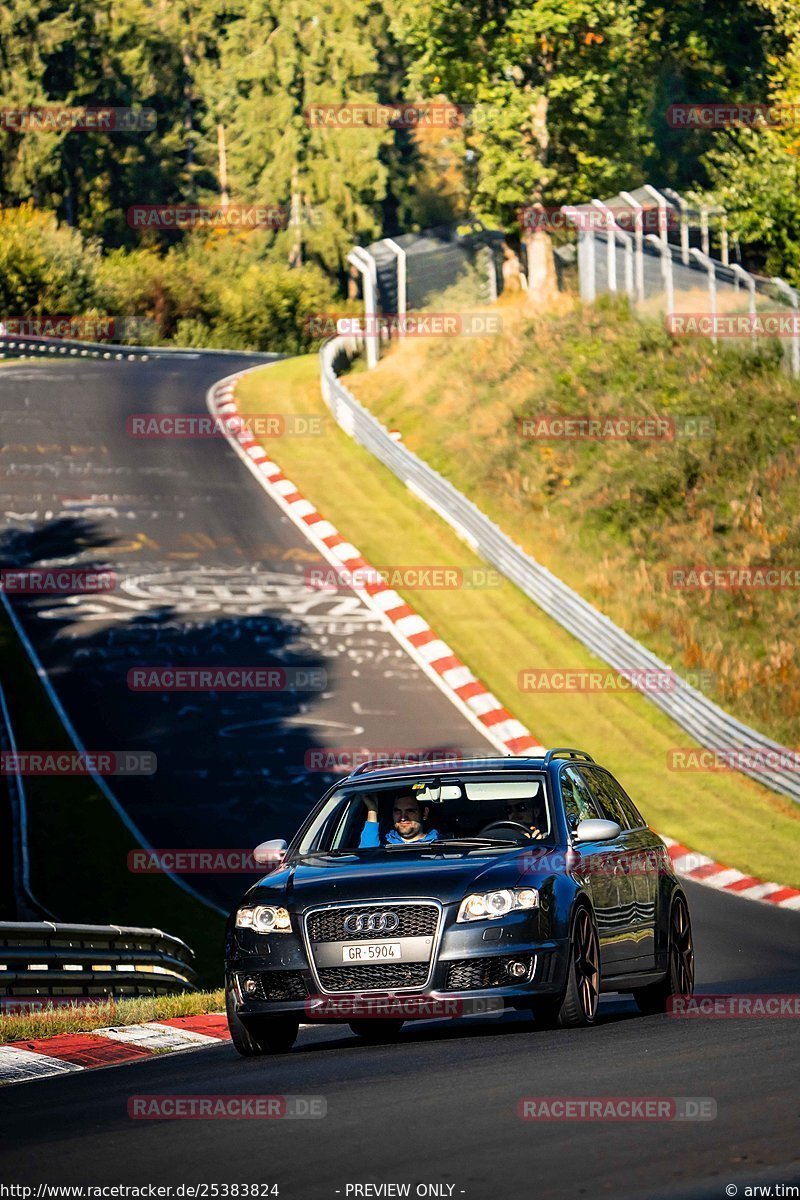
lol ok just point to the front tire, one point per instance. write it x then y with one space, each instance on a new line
577 1005
260 1035
679 979
377 1030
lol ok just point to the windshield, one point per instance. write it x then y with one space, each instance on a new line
393 816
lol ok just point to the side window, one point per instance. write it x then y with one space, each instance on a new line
613 802
578 802
635 818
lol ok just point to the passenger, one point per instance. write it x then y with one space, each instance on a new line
533 817
409 818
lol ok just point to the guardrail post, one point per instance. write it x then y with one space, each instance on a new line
684 210
706 262
666 269
586 256
750 283
611 245
663 205
402 282
794 299
638 218
723 239
365 265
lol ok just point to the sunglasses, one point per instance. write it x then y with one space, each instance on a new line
518 808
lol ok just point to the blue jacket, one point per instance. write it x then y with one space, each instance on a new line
371 836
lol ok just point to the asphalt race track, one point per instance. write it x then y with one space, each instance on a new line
439 1106
211 573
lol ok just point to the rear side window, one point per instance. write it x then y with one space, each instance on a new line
615 805
579 804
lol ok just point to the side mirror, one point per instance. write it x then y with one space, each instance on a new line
593 830
270 854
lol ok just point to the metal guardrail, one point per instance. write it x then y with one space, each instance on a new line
50 959
33 347
709 724
25 903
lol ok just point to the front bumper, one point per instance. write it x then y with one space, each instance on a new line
470 974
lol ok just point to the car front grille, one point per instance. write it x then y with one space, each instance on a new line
373 977
467 974
275 985
415 920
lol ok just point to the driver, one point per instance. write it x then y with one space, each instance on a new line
524 813
409 817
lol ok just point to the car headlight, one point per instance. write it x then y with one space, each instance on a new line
264 918
484 906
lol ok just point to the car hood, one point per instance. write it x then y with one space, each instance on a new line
444 874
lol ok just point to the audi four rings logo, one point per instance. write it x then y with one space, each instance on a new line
383 922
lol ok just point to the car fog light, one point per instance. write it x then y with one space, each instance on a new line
517 969
250 985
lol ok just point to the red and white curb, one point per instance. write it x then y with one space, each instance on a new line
412 631
434 656
21 1062
702 869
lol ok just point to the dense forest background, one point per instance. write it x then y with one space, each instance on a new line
566 100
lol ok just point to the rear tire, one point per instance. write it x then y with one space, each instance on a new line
260 1035
577 1004
679 979
377 1030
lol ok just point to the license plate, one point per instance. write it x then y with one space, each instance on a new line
371 951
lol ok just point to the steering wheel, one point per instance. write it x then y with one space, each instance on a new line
517 827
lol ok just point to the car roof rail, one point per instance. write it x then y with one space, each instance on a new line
567 752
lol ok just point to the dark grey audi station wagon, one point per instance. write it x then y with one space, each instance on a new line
458 887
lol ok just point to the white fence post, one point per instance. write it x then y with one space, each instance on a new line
666 269
587 253
706 262
793 296
402 282
750 283
639 236
611 246
364 263
663 205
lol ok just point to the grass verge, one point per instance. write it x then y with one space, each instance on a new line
497 631
622 519
83 1018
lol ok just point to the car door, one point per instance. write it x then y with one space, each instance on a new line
611 892
636 867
